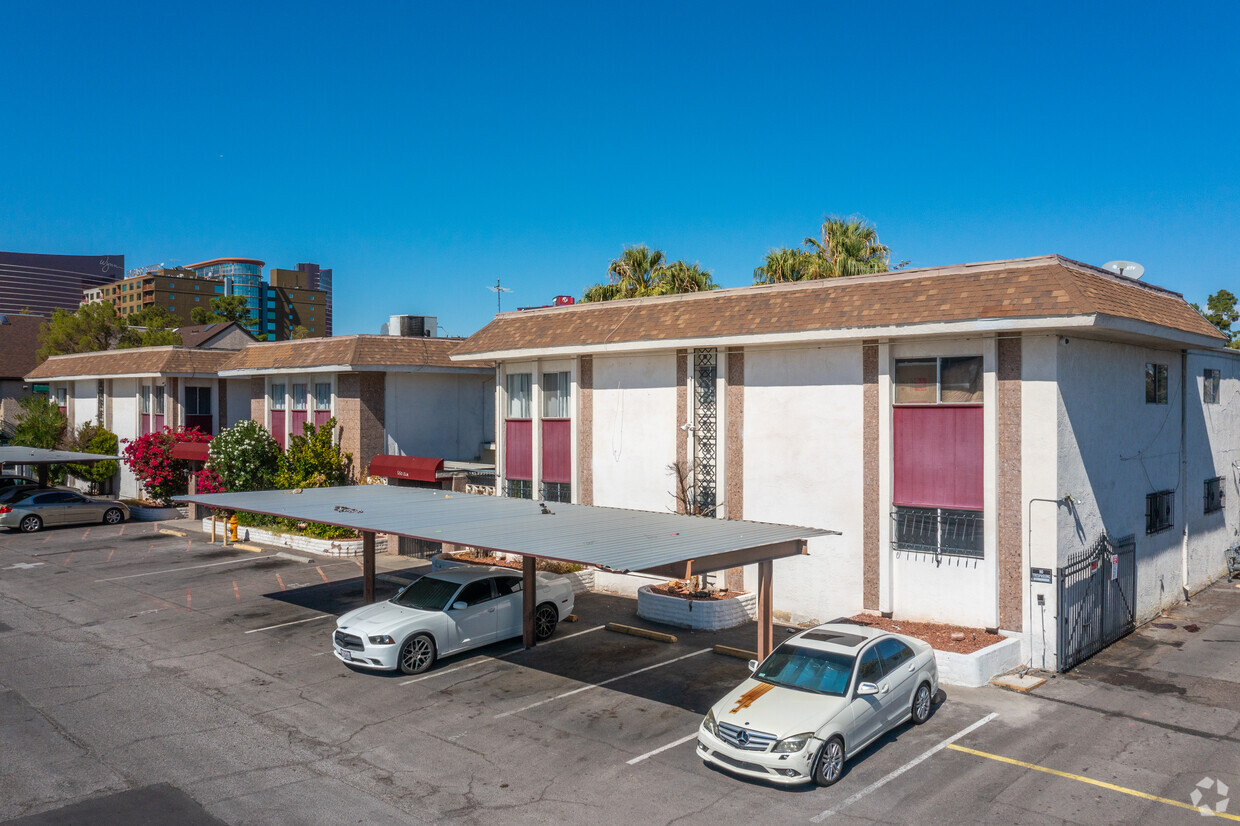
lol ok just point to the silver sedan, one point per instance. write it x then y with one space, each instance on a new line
41 508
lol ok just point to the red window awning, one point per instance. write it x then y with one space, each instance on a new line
417 468
190 451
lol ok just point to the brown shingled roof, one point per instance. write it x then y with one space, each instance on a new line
195 335
351 351
1048 286
166 361
19 341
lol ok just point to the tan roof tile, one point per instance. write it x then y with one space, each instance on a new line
1049 286
350 351
170 361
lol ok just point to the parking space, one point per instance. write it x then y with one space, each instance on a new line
145 659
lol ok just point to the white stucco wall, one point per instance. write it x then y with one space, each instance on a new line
1113 449
803 466
634 431
442 415
1213 436
125 426
1039 402
85 402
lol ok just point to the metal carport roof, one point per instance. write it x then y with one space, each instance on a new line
667 544
41 458
613 538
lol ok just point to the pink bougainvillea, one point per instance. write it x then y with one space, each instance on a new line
150 459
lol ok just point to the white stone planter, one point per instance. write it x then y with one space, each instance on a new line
700 614
139 513
582 580
297 542
980 667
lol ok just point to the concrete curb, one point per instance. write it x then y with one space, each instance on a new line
657 636
304 559
739 653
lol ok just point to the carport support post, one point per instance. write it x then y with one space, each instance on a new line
42 471
766 620
368 566
527 600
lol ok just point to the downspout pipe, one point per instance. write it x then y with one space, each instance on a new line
1184 472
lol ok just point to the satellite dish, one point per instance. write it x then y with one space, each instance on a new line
1130 269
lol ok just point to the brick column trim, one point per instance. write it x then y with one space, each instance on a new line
734 449
258 401
585 430
1009 514
172 403
682 415
349 415
871 507
372 421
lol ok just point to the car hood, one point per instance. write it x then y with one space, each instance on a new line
782 712
380 617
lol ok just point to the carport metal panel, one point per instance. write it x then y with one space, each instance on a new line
620 540
40 458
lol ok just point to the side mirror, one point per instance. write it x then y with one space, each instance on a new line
753 666
459 606
867 688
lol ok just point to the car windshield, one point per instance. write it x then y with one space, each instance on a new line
807 669
427 594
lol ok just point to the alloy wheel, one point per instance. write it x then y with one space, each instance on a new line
416 655
830 762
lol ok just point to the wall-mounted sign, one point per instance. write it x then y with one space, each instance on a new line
1042 575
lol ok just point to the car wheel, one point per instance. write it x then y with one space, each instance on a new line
921 704
113 516
545 618
31 523
417 654
829 767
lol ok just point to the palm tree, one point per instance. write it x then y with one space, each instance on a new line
641 271
637 270
785 264
849 246
679 277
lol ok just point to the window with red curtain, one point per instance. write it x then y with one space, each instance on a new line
518 427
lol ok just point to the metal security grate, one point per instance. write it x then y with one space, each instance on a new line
557 492
1097 590
706 430
939 531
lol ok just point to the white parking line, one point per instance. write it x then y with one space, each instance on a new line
182 568
819 818
662 749
482 660
600 685
294 622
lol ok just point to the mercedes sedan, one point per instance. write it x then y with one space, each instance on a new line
30 512
445 612
819 699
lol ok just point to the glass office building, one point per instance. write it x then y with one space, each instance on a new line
241 276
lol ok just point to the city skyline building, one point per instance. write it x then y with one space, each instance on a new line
41 284
320 279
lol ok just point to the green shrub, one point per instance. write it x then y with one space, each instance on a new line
245 457
92 438
314 460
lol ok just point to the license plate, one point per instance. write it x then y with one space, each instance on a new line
345 655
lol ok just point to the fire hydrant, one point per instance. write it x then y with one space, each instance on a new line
232 528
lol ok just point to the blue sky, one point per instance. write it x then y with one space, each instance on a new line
423 150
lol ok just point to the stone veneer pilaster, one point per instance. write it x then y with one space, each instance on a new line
870 505
682 416
360 416
172 407
1009 515
258 401
585 431
734 450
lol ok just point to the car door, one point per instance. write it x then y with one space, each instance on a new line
48 506
867 709
899 668
477 622
77 508
508 606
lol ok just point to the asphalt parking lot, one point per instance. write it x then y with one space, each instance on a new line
141 672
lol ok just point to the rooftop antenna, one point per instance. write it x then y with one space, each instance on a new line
499 295
1131 269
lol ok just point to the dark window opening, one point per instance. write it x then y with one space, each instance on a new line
1209 386
1158 508
557 492
519 489
1214 494
1155 383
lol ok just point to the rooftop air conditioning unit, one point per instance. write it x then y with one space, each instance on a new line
416 326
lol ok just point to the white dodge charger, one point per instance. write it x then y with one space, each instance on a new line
446 612
819 699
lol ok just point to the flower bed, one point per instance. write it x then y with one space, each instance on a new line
280 539
153 513
972 661
713 614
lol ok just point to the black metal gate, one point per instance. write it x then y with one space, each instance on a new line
1097 599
